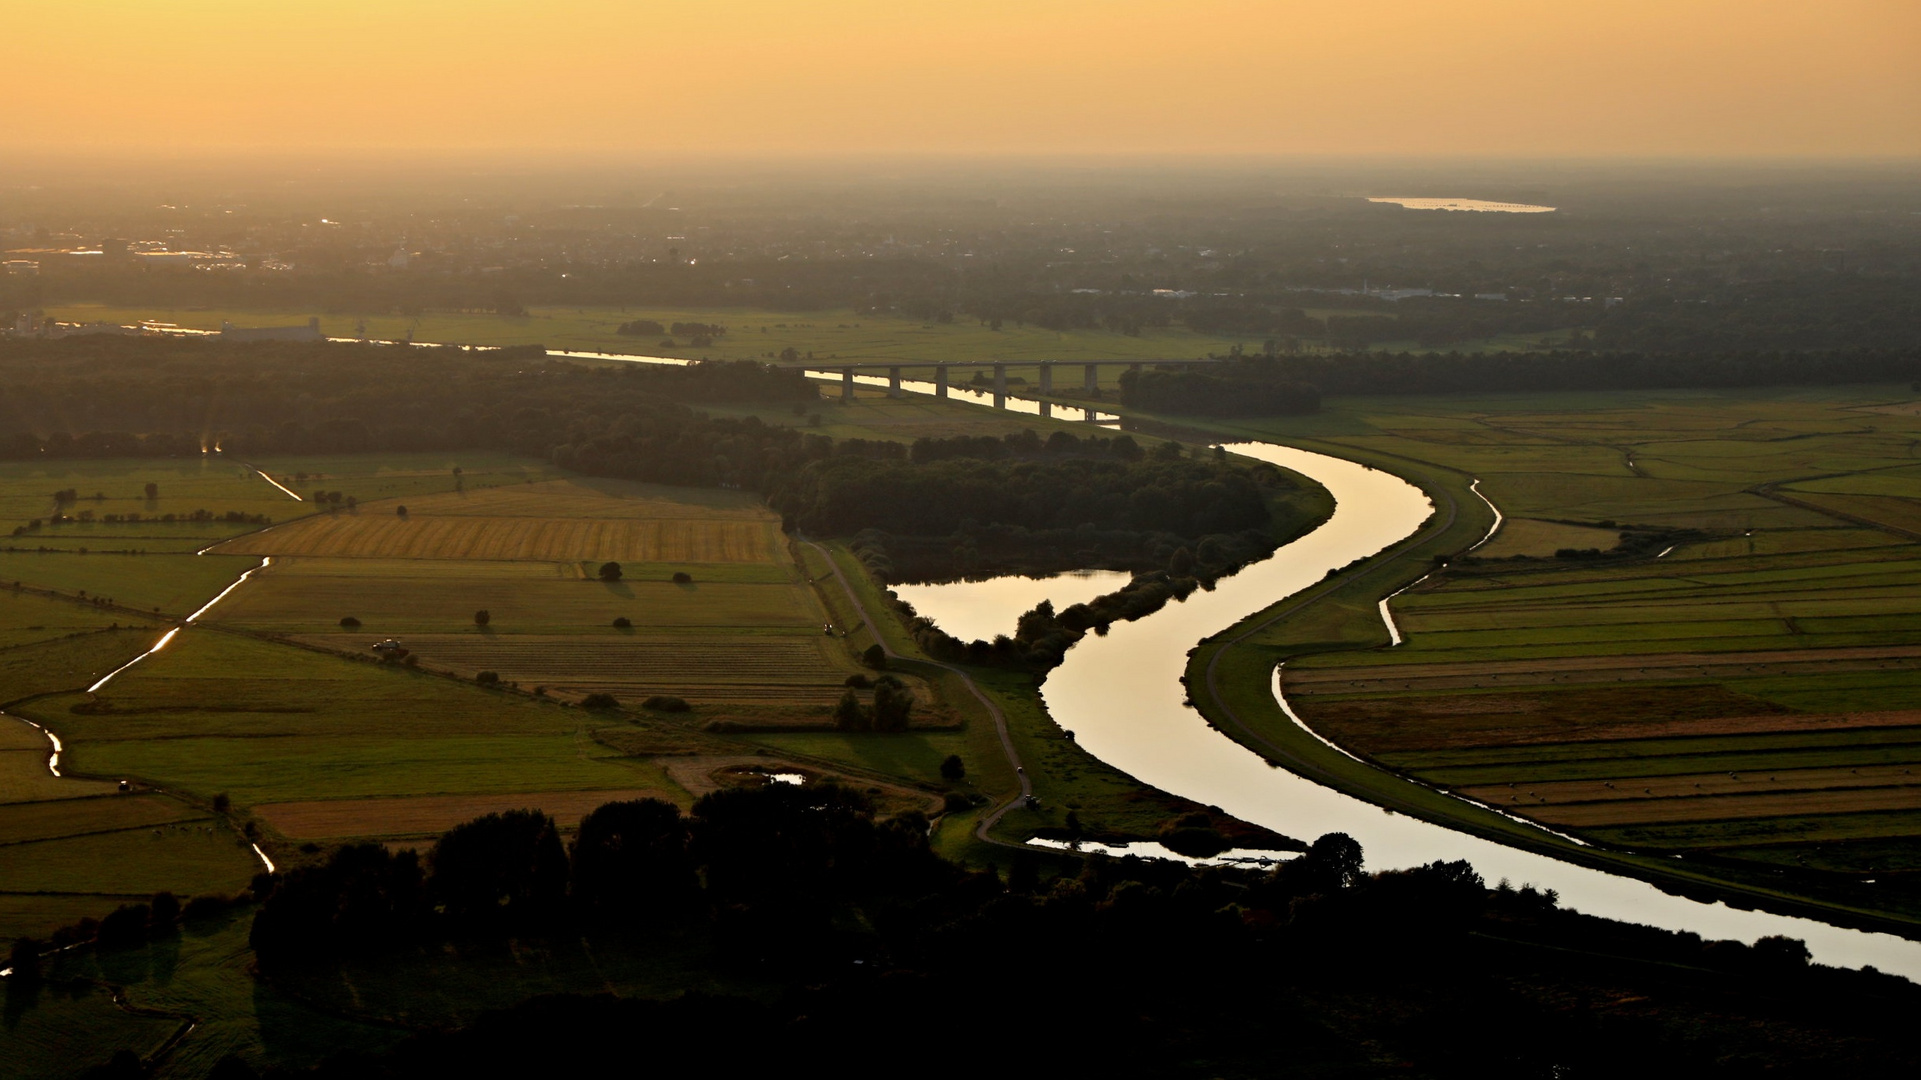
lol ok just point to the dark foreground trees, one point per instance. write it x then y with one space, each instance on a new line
857 934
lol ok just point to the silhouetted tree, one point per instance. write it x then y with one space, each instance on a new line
633 856
893 705
850 715
508 866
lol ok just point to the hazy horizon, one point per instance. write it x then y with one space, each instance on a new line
1226 79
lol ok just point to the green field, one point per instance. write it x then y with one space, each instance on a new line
1750 629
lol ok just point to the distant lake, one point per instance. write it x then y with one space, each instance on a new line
1468 204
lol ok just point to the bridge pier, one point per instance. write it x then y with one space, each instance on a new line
893 382
1047 378
1091 380
1000 386
940 380
1047 409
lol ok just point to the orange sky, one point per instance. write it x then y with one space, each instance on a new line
1446 77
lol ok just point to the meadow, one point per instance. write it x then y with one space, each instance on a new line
1737 682
743 628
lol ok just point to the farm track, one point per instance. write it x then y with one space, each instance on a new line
987 822
1626 667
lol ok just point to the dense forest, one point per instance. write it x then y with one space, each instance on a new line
948 505
1280 385
845 933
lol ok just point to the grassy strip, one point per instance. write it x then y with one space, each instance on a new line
1228 678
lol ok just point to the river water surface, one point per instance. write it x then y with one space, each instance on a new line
1121 694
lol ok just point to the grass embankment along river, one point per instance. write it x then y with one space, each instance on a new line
1734 685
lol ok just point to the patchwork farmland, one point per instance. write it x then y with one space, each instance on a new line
1741 680
742 628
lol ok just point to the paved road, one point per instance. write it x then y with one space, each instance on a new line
992 818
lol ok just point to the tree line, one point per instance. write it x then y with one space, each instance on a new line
953 505
1286 384
851 932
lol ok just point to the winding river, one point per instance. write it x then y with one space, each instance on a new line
1122 696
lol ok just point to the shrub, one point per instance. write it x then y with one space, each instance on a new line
952 768
849 715
875 657
350 623
858 681
165 909
24 959
893 705
610 571
664 703
599 701
488 678
623 623
955 803
682 577
126 926
482 617
205 906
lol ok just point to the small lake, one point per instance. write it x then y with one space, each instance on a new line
1474 205
978 610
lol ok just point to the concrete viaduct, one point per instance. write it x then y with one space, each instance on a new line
1090 373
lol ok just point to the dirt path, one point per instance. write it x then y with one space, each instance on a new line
993 818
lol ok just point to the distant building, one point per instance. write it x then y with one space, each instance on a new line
21 268
172 258
90 329
309 332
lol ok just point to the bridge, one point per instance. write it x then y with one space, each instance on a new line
1090 372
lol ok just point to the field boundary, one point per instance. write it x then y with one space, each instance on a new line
1216 662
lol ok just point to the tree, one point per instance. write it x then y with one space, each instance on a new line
1781 953
125 926
599 701
488 678
875 657
507 866
849 715
1181 562
952 768
153 491
893 705
682 577
622 622
349 623
482 618
1330 864
610 571
631 855
24 958
400 511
